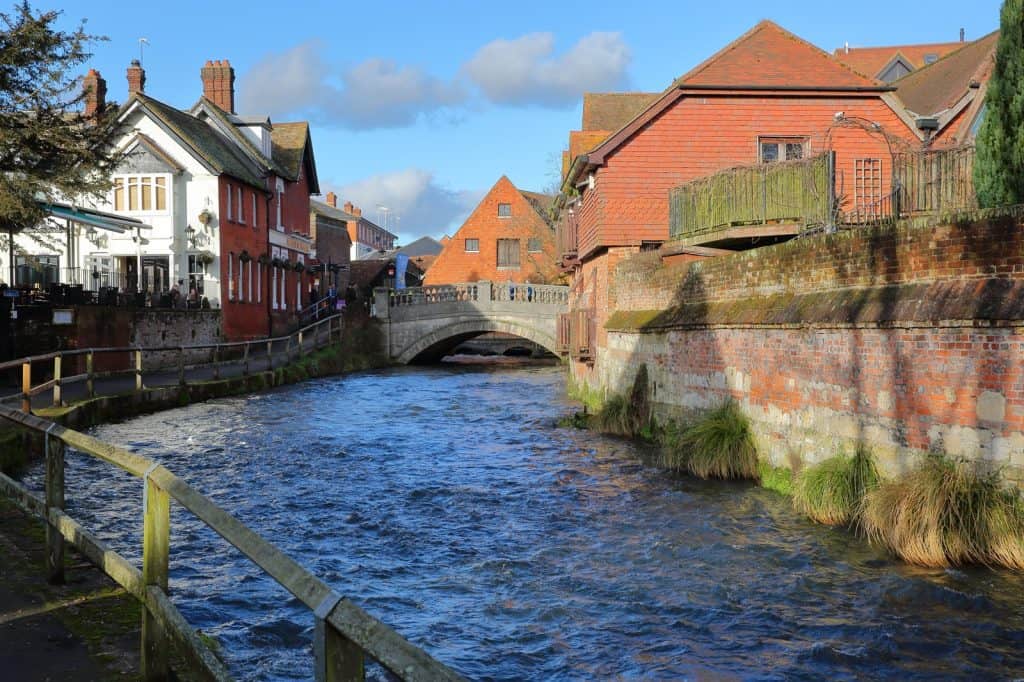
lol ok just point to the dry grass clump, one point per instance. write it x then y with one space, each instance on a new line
627 415
720 445
831 492
946 513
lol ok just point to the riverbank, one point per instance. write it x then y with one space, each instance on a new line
356 351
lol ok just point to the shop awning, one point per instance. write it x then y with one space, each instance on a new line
94 218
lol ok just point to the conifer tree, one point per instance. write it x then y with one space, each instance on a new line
48 147
999 163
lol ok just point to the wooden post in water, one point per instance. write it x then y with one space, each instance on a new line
90 386
216 362
181 365
156 539
138 370
245 360
270 355
56 380
54 500
337 658
26 387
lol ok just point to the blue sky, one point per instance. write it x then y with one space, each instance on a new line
422 106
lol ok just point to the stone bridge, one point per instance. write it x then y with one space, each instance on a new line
427 322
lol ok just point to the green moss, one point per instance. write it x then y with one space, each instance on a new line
631 320
592 400
779 479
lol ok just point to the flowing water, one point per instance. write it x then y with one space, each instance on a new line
447 503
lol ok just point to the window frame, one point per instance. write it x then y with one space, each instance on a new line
533 245
476 241
518 254
134 187
507 210
779 141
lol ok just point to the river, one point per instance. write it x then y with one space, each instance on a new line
446 502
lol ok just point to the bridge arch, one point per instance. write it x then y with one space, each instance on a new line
469 328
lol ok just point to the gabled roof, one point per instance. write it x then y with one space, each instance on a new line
872 61
941 85
610 111
540 202
424 246
205 143
769 56
320 208
292 147
228 125
155 149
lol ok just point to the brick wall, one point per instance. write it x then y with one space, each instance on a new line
245 312
455 264
908 339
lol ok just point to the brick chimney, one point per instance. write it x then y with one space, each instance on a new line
95 93
357 212
332 199
136 78
349 207
219 84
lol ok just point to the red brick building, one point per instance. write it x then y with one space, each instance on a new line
768 96
507 237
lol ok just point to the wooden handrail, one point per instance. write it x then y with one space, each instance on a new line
343 627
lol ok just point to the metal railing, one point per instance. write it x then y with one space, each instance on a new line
132 359
344 634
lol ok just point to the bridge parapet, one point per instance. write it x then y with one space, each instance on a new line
423 318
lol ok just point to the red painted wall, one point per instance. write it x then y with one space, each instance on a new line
244 316
698 136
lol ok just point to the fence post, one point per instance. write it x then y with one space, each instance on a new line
138 370
302 349
181 365
216 362
56 380
270 355
90 387
335 656
245 360
155 555
26 386
54 500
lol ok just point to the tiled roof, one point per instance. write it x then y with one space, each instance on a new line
540 202
938 86
289 141
320 208
871 60
610 111
424 246
770 56
206 142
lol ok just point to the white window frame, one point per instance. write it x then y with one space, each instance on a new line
137 177
254 214
241 205
279 187
230 211
780 142
231 278
259 283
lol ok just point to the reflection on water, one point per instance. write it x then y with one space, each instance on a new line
446 502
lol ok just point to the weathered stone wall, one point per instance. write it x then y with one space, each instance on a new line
907 338
156 328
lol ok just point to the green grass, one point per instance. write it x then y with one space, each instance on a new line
779 479
946 513
628 415
831 492
720 445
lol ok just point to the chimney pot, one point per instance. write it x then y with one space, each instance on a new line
136 78
357 212
332 199
348 207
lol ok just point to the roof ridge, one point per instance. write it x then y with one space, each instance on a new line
948 55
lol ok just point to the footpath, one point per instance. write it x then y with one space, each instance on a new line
88 628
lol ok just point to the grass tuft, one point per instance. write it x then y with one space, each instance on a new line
946 513
779 479
831 492
721 445
628 415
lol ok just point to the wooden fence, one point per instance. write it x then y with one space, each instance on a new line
344 634
791 191
935 181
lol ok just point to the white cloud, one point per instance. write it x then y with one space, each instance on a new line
376 93
523 71
379 93
417 204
